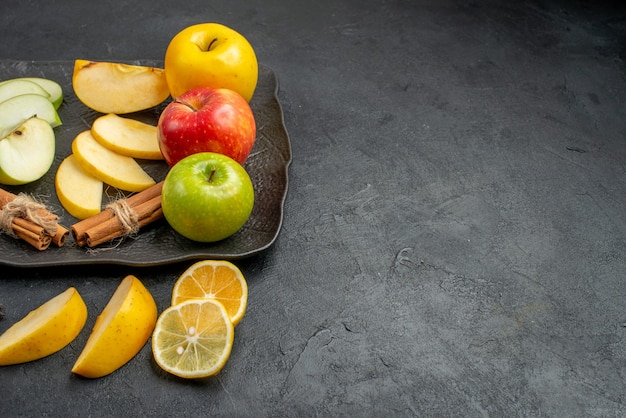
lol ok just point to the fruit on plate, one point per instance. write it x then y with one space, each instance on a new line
16 110
127 136
54 91
206 119
27 153
110 167
193 339
219 280
79 192
45 330
110 87
120 331
17 87
211 55
207 197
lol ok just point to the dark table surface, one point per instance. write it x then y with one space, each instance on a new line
454 236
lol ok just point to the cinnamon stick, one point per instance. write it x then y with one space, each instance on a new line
30 231
106 226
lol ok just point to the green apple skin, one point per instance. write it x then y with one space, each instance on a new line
27 153
52 88
17 87
207 197
14 111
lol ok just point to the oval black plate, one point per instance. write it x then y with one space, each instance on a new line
158 243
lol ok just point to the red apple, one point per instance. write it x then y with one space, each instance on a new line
206 120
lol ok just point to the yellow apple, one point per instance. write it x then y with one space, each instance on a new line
109 87
211 55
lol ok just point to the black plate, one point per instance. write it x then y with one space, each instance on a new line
157 243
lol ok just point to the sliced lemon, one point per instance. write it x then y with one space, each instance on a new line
193 339
220 280
120 332
45 330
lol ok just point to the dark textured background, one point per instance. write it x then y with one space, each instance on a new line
454 241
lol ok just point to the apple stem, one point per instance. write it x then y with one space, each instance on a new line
177 100
211 44
213 170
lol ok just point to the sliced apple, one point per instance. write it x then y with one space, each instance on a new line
27 153
79 192
127 136
17 87
109 87
110 167
14 111
54 89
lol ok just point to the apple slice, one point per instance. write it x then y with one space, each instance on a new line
79 192
27 153
109 87
17 87
54 89
14 111
127 136
110 167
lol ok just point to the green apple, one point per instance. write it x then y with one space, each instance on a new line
17 87
14 111
52 88
207 197
27 153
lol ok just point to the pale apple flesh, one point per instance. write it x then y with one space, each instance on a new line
127 136
27 153
110 167
14 111
79 192
52 88
17 87
109 87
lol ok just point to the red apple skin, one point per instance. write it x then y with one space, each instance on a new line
206 120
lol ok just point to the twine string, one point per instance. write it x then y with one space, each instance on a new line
25 207
127 216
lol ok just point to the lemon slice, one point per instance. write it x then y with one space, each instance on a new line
193 339
120 332
45 330
214 279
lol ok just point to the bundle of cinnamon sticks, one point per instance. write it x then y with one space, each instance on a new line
138 210
30 221
123 217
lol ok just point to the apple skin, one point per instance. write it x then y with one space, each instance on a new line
207 197
206 119
211 55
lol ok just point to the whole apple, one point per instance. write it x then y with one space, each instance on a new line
206 120
207 197
211 55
